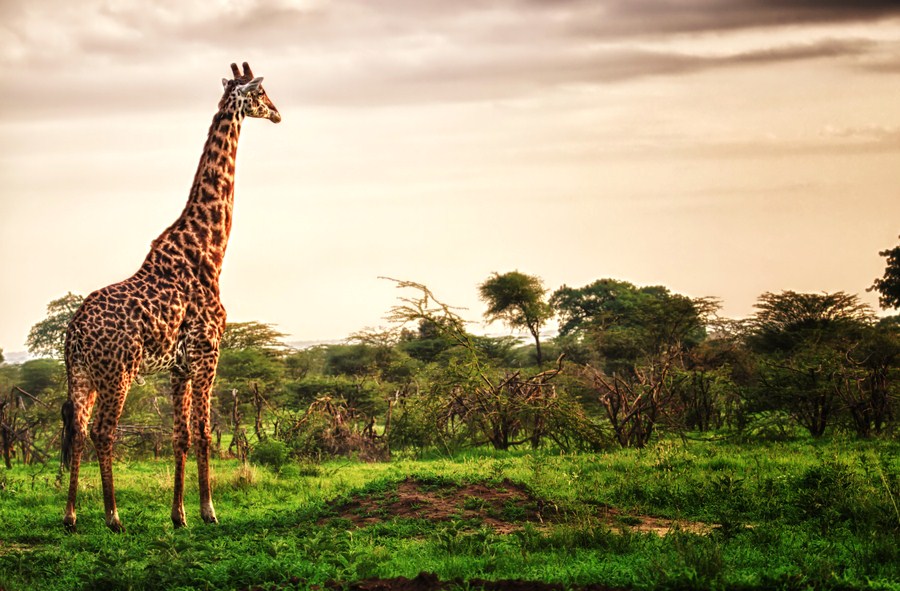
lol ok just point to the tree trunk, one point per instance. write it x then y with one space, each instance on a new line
537 344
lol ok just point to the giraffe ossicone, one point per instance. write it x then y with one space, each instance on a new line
167 316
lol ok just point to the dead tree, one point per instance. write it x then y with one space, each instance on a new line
635 403
239 436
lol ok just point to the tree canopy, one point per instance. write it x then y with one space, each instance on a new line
517 300
888 286
625 323
252 335
785 319
48 337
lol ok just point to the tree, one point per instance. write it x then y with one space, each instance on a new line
48 337
252 335
2 359
40 375
638 337
786 320
517 299
805 341
593 305
620 325
251 370
889 285
353 360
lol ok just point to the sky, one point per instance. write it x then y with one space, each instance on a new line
721 148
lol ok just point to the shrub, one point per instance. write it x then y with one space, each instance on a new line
829 493
271 453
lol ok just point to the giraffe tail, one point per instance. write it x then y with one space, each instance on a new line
68 436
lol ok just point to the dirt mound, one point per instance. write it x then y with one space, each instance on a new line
430 582
504 507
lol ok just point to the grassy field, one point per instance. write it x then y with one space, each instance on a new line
793 516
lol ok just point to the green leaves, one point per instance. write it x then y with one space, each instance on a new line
517 300
888 286
48 337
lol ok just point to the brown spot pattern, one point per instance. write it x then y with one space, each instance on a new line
167 316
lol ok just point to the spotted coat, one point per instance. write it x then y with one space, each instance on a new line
167 316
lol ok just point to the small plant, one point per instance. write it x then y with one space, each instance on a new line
244 477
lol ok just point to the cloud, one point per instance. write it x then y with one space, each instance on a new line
150 56
867 137
616 18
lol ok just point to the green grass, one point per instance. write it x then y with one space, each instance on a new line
792 515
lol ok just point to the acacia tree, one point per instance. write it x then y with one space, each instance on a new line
805 342
888 286
637 338
253 335
517 300
48 337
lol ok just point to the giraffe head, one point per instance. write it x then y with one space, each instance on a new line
247 95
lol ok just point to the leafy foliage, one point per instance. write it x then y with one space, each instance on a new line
806 344
252 335
48 337
888 286
517 299
639 338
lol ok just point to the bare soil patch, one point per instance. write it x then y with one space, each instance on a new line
430 582
505 507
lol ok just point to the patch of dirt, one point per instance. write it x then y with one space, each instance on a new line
430 582
616 519
505 508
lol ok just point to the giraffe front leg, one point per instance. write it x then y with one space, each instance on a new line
181 442
203 381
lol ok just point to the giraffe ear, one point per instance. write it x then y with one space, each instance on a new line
250 86
224 83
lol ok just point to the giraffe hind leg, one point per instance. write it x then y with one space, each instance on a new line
103 435
181 441
76 412
201 389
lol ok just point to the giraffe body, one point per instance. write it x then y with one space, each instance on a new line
167 316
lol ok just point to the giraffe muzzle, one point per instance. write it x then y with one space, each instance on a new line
275 117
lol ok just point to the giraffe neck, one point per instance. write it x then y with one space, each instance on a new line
198 238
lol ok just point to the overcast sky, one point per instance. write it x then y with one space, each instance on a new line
718 147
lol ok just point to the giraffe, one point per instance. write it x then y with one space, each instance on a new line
167 316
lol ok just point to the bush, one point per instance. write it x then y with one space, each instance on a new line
271 453
830 493
329 429
360 394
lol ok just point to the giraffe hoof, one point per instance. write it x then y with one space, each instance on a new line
211 519
179 523
116 527
70 526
